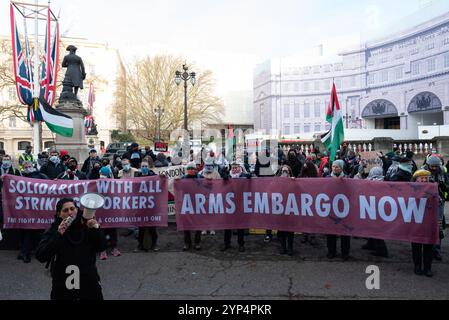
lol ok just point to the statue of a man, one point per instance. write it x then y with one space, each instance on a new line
74 75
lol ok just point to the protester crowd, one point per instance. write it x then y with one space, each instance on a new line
294 164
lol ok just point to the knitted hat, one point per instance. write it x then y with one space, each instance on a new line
339 163
105 171
191 165
421 173
434 161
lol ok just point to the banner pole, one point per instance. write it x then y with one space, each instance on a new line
36 125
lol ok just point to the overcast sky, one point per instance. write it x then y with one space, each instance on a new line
232 36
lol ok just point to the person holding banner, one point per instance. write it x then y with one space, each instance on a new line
286 237
237 172
70 246
422 253
192 174
5 168
72 172
145 232
337 173
27 236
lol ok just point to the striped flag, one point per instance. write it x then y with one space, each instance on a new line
22 72
91 98
56 121
335 136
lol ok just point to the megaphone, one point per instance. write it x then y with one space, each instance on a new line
91 202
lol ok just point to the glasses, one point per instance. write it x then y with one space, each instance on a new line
68 209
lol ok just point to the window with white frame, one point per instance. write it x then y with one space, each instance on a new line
384 60
431 65
371 78
22 145
317 108
327 85
317 86
415 68
286 110
446 61
296 129
12 93
338 83
385 76
306 86
352 82
286 128
446 41
12 122
296 109
327 126
306 127
306 109
317 127
430 46
399 72
296 87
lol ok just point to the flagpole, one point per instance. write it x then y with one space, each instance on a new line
37 124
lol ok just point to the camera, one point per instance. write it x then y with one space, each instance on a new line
69 221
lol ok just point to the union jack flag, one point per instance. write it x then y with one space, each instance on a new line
22 70
91 98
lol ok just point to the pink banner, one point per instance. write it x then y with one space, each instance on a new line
383 210
140 202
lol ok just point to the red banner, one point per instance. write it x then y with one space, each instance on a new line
382 210
140 202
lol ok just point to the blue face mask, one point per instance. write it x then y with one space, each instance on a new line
145 170
54 159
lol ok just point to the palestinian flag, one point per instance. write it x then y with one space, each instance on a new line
56 121
335 136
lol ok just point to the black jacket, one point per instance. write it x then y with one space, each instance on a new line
88 164
78 247
51 170
35 175
70 176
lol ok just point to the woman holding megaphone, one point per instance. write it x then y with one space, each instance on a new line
70 247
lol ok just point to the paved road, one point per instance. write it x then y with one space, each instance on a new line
258 273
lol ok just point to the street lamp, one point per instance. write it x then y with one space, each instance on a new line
186 77
159 111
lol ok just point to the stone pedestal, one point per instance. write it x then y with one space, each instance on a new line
383 144
75 145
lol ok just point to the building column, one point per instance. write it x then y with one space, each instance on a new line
446 117
404 122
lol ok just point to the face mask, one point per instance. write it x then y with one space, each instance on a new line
103 177
72 167
145 170
285 174
127 167
54 159
6 164
28 170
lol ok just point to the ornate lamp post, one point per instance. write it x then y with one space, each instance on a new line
185 76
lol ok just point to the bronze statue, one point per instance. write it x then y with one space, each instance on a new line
74 75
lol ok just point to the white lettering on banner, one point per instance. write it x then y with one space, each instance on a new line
393 212
366 207
261 202
291 205
200 201
128 203
345 212
187 206
407 210
306 203
277 207
216 203
231 203
114 186
247 202
150 187
325 209
38 188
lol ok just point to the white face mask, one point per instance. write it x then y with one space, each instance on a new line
127 167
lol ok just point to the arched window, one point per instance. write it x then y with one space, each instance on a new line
23 144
